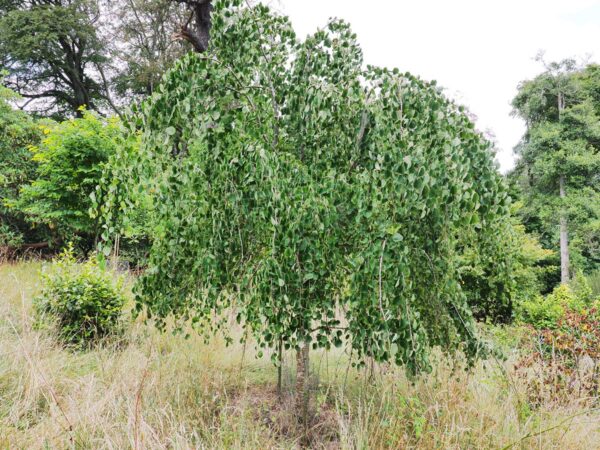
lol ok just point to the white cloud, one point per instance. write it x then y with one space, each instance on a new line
479 50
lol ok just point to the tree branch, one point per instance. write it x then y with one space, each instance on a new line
107 91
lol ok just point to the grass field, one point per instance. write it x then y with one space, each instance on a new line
154 390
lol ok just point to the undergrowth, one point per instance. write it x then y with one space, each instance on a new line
159 390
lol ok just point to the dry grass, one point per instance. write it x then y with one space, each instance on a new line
162 391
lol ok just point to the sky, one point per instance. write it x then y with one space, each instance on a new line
478 50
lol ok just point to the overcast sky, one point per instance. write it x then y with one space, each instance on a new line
478 50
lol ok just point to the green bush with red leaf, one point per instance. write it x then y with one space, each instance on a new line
546 312
564 357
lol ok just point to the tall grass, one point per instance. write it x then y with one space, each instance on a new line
159 390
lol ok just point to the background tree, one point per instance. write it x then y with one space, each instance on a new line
148 47
293 185
559 161
52 51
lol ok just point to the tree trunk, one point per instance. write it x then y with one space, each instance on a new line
280 370
198 32
302 381
564 237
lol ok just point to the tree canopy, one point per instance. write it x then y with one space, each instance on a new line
559 160
53 53
326 202
147 47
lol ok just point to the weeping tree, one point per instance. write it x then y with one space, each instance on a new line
324 203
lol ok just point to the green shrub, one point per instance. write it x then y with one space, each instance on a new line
18 132
582 289
70 161
542 312
546 312
9 236
83 299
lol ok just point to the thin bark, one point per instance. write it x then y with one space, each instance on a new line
280 369
564 232
564 238
302 381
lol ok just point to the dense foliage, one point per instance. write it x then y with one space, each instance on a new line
288 182
562 145
85 301
17 132
70 161
547 312
503 271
